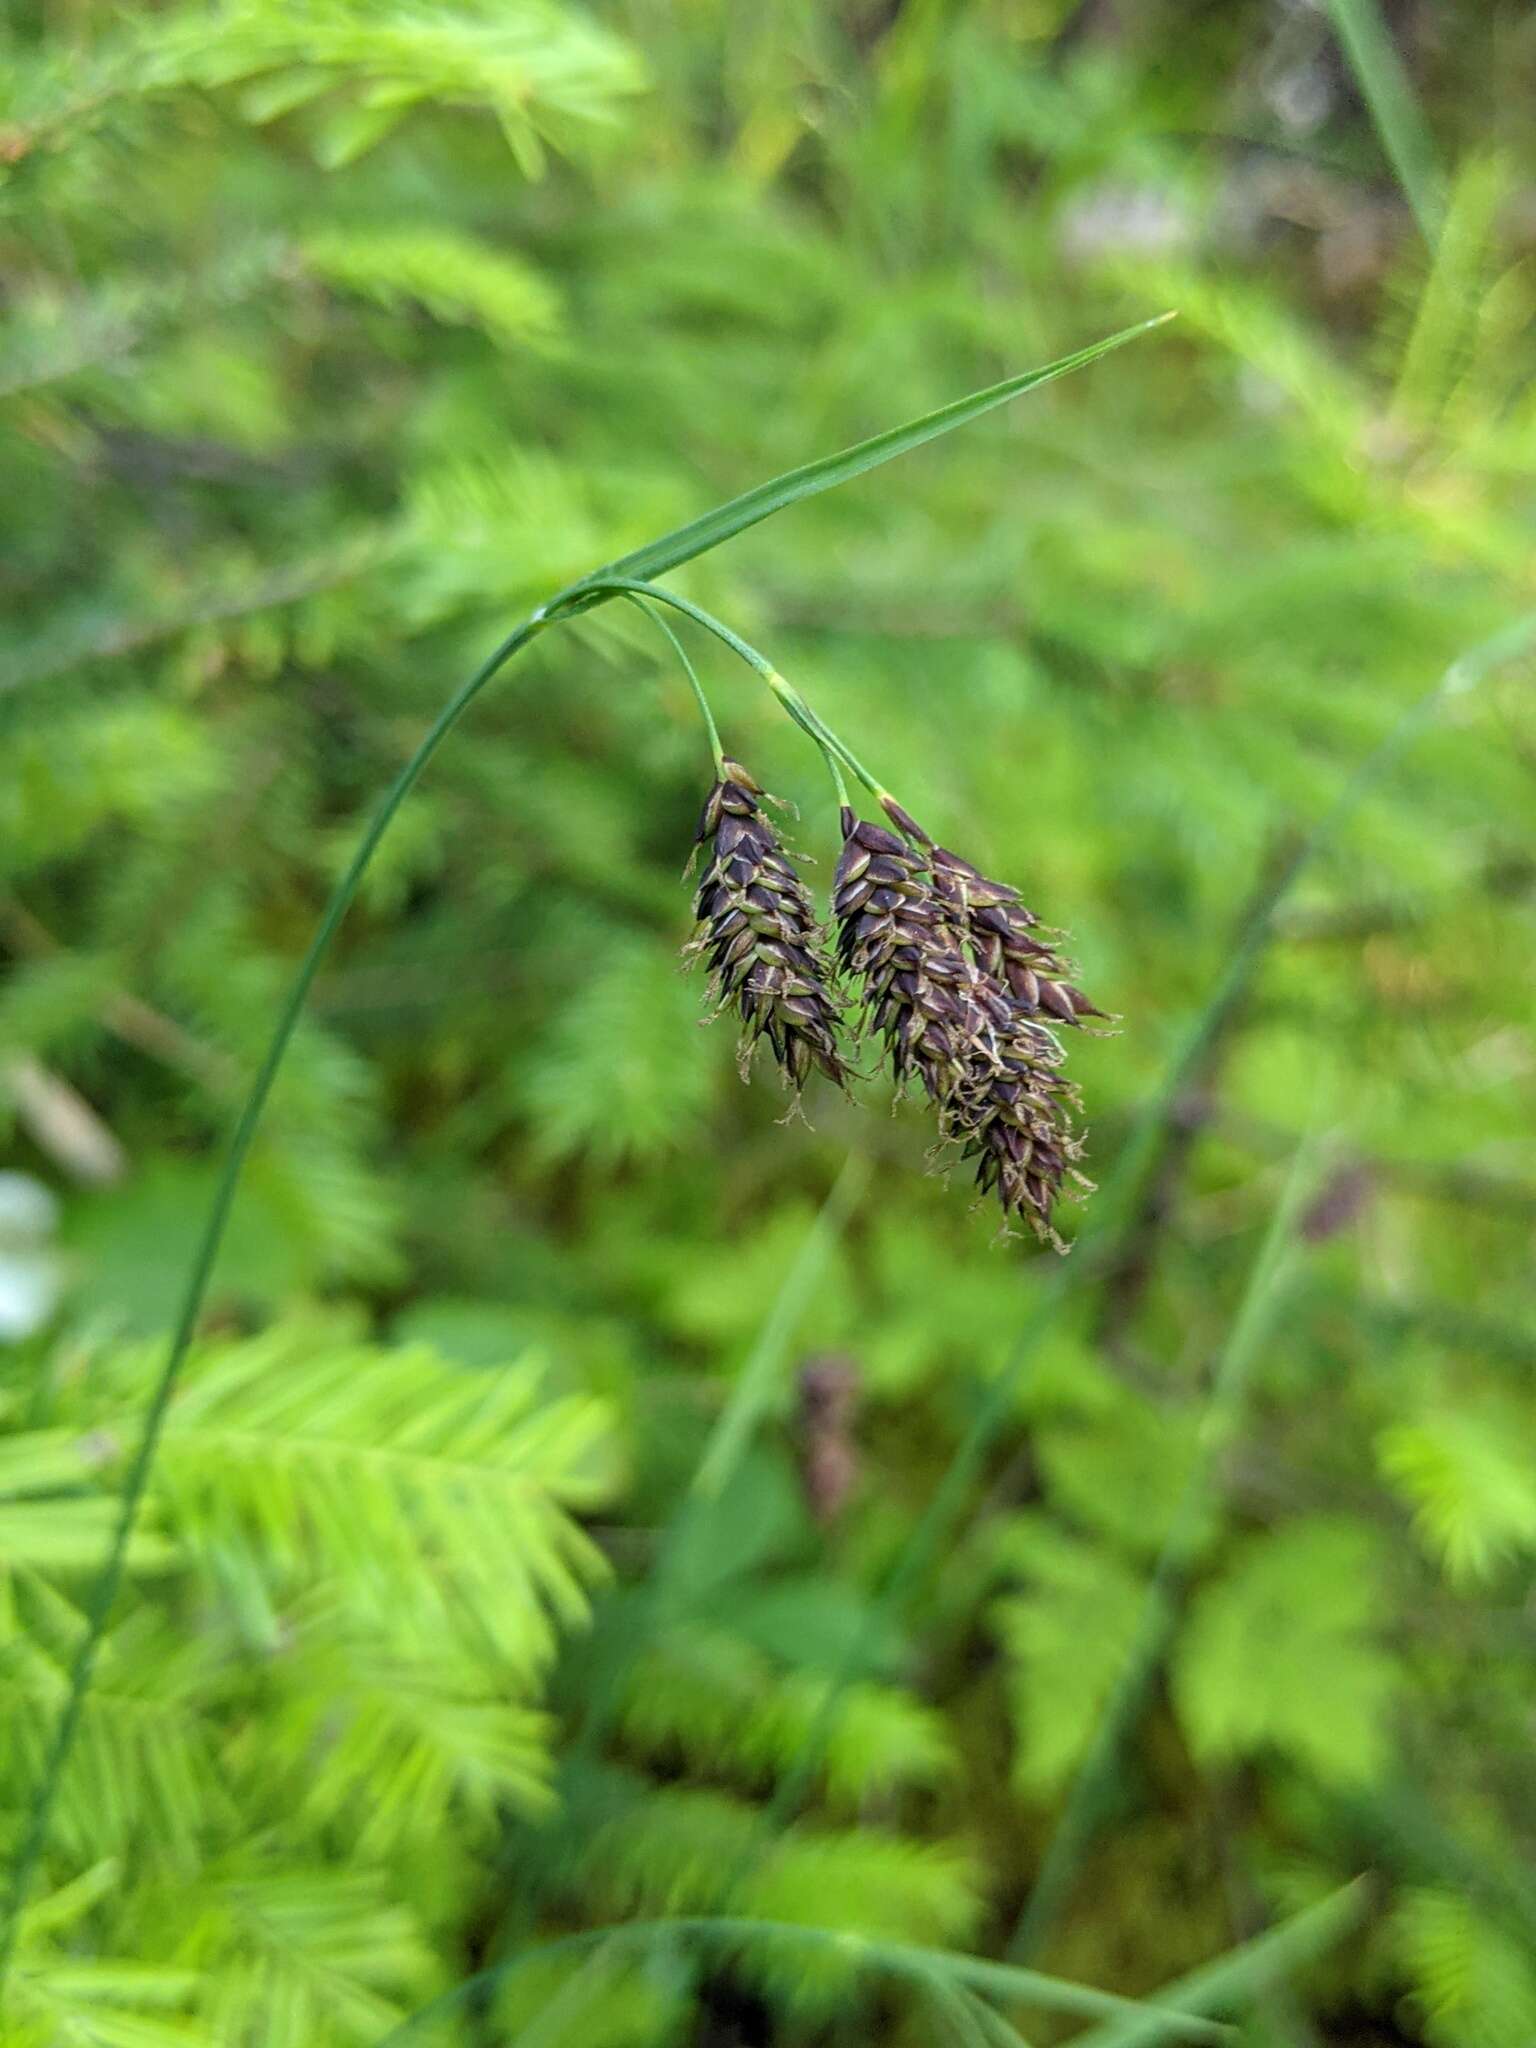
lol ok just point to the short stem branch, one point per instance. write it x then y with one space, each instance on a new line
784 691
645 605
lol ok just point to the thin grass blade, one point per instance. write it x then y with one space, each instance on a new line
1384 80
1078 1823
755 1383
1233 1980
733 517
968 2018
893 1958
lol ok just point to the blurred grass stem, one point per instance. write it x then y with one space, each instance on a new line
1086 1800
1384 81
894 1958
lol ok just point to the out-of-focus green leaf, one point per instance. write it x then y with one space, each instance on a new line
1278 1653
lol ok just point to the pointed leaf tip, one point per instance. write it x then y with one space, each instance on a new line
708 531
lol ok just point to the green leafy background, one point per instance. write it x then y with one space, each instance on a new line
335 335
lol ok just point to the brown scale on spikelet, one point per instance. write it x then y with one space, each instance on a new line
1014 1117
1015 1121
897 938
965 990
1007 943
760 937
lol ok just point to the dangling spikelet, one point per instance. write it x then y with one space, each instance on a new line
896 938
963 991
760 937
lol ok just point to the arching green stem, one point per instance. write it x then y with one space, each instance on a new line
104 1594
800 712
833 750
645 605
835 770
109 1583
783 690
899 1959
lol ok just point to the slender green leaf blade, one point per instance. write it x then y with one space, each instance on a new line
731 518
1233 1979
899 1958
1389 95
1012 1982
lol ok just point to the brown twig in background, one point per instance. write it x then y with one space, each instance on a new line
126 1016
827 1452
62 1123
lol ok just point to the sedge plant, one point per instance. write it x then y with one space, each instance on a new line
962 990
982 1049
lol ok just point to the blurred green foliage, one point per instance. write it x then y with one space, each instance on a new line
334 334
